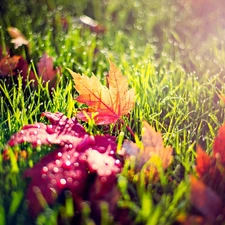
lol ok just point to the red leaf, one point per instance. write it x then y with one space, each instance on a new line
58 132
8 64
46 70
27 75
219 145
205 200
202 162
68 167
107 104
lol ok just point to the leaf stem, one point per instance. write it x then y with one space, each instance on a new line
128 128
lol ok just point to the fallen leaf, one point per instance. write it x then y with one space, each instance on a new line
69 167
46 70
58 132
18 39
107 104
210 171
152 147
202 162
205 199
192 220
8 65
219 145
27 75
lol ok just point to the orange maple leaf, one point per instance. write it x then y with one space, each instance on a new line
152 147
107 104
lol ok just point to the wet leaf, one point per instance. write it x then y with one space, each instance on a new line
69 167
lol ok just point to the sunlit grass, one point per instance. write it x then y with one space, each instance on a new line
176 87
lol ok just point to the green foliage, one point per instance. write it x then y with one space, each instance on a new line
176 76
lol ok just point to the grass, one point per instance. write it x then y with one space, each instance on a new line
177 79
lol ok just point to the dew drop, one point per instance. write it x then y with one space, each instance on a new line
50 129
69 180
38 142
24 139
57 162
55 169
62 143
111 152
44 169
76 183
36 189
92 139
51 175
59 154
83 158
118 163
101 149
61 123
108 172
35 132
65 173
43 176
53 181
103 179
62 181
79 173
76 164
66 164
70 146
94 167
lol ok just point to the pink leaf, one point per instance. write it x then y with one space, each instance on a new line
70 166
58 132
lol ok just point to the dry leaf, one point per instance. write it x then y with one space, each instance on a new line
108 104
18 38
152 148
